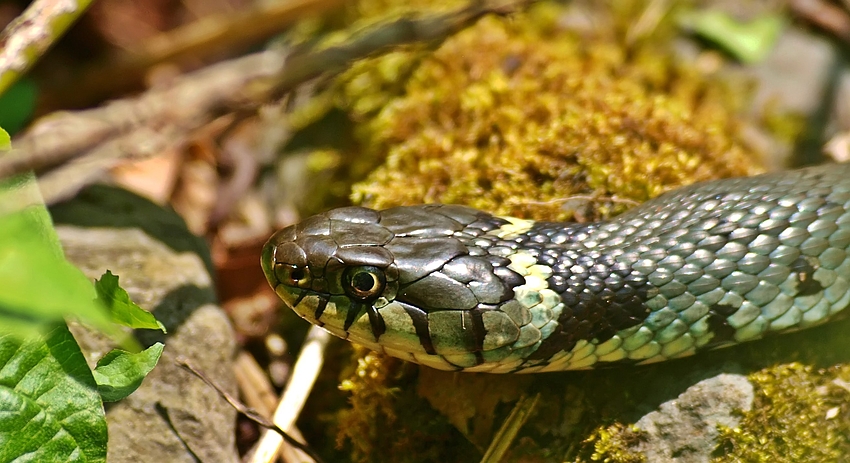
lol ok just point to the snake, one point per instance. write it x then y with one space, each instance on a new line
704 266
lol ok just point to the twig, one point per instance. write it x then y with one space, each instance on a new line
198 40
304 375
593 198
648 20
259 394
29 35
109 134
134 128
510 428
247 411
300 68
825 15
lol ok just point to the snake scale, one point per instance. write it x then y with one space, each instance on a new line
704 266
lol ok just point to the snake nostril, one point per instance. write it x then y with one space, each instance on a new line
297 274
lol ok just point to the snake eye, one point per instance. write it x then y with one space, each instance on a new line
292 275
363 283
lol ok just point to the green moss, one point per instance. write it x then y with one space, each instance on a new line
388 422
800 415
543 119
610 444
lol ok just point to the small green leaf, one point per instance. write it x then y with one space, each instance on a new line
119 372
124 311
50 410
5 140
39 286
748 42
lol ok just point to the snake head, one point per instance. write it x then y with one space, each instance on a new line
407 281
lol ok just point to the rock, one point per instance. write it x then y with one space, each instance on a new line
173 416
684 429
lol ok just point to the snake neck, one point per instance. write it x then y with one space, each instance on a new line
572 287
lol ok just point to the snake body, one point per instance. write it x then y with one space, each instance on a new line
454 288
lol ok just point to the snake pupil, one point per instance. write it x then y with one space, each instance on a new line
364 283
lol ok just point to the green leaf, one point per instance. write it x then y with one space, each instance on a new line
39 286
124 311
50 410
119 372
5 140
748 42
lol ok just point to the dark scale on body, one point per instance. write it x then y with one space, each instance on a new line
601 296
724 333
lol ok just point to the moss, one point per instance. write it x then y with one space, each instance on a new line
610 444
388 422
538 120
800 415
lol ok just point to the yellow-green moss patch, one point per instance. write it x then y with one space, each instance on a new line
520 116
800 415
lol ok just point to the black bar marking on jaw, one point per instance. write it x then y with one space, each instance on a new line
420 324
377 321
299 299
320 309
350 317
478 333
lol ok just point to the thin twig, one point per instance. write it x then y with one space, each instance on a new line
29 35
259 394
428 29
825 15
199 40
510 428
111 133
648 20
247 411
304 375
592 198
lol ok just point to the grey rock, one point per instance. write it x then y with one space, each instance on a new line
684 430
173 416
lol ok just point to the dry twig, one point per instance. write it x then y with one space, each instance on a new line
825 15
250 412
164 118
304 375
27 37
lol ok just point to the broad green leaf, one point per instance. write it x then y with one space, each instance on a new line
124 311
119 372
50 410
39 286
748 42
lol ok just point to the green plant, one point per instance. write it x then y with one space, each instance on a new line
51 402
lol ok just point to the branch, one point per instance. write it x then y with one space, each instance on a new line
164 118
825 15
27 37
199 40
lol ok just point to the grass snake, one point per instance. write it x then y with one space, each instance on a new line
704 266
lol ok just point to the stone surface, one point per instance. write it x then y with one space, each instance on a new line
684 429
173 416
